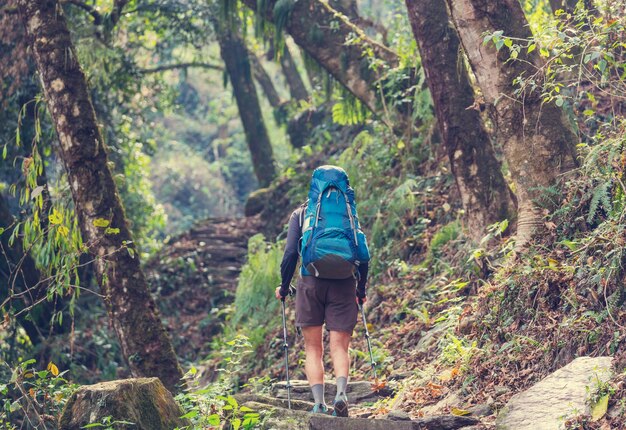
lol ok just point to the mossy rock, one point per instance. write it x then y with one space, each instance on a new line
144 402
257 201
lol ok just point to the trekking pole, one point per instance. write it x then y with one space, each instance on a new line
286 352
367 336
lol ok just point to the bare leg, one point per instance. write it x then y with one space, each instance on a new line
314 349
339 344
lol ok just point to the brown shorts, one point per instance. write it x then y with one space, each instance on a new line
330 301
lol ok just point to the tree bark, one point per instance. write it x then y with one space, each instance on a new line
235 56
310 22
264 80
294 80
484 192
132 311
537 138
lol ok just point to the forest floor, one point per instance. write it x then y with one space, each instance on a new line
436 347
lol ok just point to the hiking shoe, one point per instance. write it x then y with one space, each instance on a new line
340 407
319 408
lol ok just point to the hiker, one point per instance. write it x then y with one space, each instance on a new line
325 232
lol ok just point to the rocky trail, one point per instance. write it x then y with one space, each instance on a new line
145 404
359 393
195 275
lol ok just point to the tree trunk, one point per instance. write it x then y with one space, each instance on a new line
132 311
235 56
486 196
294 80
538 141
264 80
308 23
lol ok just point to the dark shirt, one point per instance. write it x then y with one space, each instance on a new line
290 257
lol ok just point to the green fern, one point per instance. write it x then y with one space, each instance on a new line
348 111
600 196
255 304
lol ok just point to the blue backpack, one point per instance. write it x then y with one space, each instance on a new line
332 244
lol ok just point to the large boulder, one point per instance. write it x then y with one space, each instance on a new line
561 395
144 402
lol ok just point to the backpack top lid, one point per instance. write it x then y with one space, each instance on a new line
328 175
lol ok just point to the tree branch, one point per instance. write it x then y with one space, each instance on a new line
97 17
116 14
180 66
9 10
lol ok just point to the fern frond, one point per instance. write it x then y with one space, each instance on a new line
600 196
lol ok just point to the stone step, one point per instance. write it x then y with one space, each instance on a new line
358 391
284 419
298 405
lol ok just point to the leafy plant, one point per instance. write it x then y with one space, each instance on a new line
212 406
32 396
255 305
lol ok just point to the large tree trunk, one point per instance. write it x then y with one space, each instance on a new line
309 23
143 339
538 141
235 56
485 194
264 80
294 80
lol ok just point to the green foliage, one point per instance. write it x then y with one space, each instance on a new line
147 216
213 407
254 312
255 305
31 395
349 111
444 235
600 195
457 351
583 68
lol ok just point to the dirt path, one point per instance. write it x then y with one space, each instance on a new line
195 275
298 418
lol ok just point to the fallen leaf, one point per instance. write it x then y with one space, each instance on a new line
378 385
599 409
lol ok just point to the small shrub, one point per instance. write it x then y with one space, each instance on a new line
446 234
255 305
